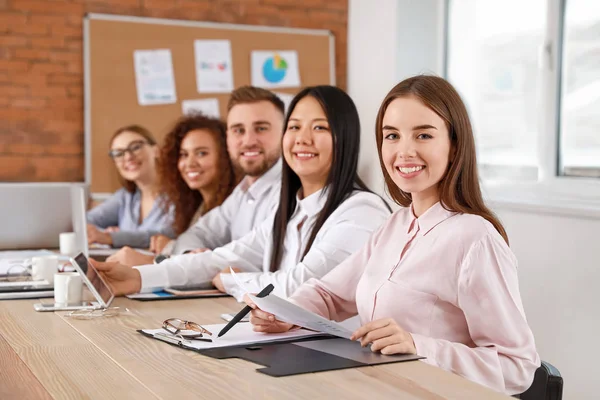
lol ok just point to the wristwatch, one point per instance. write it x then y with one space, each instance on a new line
160 258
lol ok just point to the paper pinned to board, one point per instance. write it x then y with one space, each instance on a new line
214 72
208 107
154 77
286 98
275 69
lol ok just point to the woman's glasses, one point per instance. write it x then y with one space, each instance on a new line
99 313
175 326
17 272
133 149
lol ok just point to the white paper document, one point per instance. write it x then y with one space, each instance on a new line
154 78
208 107
286 98
275 69
285 311
241 333
214 72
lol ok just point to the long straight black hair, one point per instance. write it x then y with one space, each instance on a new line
342 180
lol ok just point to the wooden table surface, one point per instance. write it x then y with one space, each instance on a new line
46 355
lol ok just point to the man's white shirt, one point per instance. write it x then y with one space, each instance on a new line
245 209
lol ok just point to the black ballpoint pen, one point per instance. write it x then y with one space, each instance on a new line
238 317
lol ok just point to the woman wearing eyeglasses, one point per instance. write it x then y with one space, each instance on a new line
134 213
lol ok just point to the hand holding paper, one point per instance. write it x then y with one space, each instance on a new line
288 312
264 322
238 317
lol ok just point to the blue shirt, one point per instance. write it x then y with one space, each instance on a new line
122 209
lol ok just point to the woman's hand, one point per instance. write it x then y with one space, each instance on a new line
158 243
386 336
218 283
265 322
130 257
96 235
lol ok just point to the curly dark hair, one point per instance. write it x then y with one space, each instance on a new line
179 194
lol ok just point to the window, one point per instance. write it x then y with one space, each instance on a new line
494 65
529 72
580 100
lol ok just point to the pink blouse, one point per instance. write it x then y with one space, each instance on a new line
451 281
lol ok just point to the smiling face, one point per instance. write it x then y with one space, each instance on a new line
416 147
134 157
198 159
308 144
254 136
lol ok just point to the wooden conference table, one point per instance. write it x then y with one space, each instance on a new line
49 355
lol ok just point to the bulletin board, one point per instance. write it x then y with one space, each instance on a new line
111 99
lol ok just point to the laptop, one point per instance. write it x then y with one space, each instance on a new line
97 294
15 292
72 199
79 217
34 214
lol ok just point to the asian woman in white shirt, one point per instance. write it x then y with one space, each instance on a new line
325 214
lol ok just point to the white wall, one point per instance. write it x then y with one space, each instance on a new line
398 39
558 256
559 273
372 68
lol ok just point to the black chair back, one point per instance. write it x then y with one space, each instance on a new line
547 384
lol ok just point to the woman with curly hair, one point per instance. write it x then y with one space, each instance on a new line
195 173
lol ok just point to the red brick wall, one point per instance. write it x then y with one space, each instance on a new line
41 71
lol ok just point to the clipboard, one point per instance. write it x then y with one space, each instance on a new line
309 356
294 356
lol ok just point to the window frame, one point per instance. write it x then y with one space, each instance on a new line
552 192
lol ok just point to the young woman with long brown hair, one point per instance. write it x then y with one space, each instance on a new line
438 278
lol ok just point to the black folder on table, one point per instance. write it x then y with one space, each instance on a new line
301 356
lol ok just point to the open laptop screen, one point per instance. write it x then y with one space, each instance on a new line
94 280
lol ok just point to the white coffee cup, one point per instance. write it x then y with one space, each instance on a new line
68 244
68 288
44 268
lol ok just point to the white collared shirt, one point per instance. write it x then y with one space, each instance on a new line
245 209
344 232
